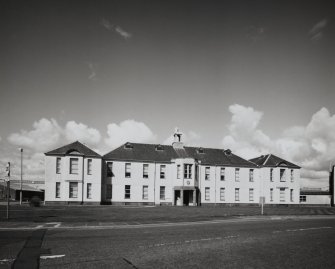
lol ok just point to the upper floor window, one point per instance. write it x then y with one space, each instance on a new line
187 170
162 171
109 169
58 165
127 170
222 173
74 165
237 174
251 175
292 175
178 171
145 170
207 173
271 174
282 175
89 166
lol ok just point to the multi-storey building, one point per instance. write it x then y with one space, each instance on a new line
168 175
73 175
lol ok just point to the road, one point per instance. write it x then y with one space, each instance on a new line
272 242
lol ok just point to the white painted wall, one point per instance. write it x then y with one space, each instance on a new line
317 200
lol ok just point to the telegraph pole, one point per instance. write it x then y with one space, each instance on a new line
8 187
21 150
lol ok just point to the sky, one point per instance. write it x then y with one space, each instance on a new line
257 77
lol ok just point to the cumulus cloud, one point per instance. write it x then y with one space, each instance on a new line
316 32
312 146
115 28
128 131
47 134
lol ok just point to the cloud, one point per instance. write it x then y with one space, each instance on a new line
316 32
81 132
47 135
311 146
128 131
93 74
189 138
115 28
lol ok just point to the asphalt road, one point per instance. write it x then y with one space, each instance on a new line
272 242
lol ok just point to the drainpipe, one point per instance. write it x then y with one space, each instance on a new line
155 184
82 179
215 185
199 175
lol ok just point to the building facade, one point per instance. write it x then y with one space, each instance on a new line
174 174
73 175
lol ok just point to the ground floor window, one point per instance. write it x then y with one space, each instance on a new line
251 195
57 189
237 194
282 194
145 193
222 194
127 192
89 190
207 193
271 195
162 193
73 192
302 198
291 195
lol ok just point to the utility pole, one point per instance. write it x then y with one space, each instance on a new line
21 150
8 187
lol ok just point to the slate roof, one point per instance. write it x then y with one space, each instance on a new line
149 153
75 146
17 186
271 160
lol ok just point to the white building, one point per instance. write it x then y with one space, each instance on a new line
174 174
72 175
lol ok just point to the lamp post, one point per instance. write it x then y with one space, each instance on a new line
21 150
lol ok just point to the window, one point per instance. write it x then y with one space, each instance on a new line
237 174
282 194
109 192
302 198
58 165
207 173
271 195
73 193
291 195
222 173
187 170
222 194
237 194
292 175
251 175
57 189
127 192
282 175
145 170
207 194
89 166
73 165
162 171
127 170
178 171
162 192
89 190
251 194
109 169
145 193
271 174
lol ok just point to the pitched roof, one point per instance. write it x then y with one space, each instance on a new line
17 186
75 146
271 160
150 153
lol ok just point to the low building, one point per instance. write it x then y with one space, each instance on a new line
15 188
315 196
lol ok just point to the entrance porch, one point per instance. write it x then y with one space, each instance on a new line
185 196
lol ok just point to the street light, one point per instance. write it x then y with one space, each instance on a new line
21 150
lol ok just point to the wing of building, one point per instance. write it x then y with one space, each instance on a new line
174 174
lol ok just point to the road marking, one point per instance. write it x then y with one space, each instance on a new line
303 229
188 241
44 257
6 260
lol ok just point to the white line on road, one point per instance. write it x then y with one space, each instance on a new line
44 257
303 229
